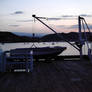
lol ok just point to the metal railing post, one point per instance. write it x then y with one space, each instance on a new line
31 61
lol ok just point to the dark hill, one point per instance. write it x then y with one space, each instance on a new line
10 37
53 37
72 36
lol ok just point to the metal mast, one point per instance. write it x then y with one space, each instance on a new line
38 18
80 35
82 20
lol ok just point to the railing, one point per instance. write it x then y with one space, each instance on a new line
84 25
18 59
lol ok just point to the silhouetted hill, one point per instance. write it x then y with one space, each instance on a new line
53 37
72 36
6 37
10 37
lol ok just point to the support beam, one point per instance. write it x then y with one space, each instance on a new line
80 36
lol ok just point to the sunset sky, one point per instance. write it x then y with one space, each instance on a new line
16 15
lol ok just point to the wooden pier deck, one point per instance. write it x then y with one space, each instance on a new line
52 76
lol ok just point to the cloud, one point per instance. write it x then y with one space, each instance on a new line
25 20
54 18
68 16
85 15
61 26
74 16
76 26
68 26
63 17
17 13
14 25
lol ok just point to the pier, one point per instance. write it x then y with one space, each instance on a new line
51 76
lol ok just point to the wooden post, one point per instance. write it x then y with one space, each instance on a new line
26 63
89 54
91 48
4 62
1 61
31 61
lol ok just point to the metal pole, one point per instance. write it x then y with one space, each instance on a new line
80 36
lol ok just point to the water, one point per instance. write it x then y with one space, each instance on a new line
69 51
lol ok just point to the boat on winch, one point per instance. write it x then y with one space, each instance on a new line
41 52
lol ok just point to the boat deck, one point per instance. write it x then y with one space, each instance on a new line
51 76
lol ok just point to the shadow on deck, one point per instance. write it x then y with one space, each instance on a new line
55 76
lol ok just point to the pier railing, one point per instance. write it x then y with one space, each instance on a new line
17 59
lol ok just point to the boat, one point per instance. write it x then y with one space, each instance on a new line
41 52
